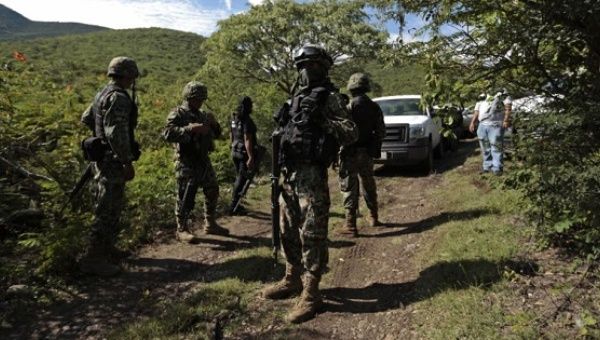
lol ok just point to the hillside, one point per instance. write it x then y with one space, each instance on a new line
14 26
166 58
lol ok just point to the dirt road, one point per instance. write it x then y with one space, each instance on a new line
368 289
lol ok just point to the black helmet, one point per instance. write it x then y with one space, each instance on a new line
313 52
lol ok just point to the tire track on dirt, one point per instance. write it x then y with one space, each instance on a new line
368 290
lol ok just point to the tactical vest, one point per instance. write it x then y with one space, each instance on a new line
238 148
99 102
304 139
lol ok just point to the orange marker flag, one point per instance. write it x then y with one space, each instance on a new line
19 56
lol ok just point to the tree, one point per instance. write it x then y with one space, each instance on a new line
258 45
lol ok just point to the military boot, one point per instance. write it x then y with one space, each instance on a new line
213 228
373 219
97 262
290 285
349 227
310 301
183 234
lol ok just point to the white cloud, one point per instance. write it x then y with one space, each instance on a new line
184 15
256 2
228 4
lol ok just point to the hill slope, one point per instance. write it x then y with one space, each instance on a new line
15 26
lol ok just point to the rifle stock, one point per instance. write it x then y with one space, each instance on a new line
85 177
275 192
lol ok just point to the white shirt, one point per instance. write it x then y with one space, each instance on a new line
488 114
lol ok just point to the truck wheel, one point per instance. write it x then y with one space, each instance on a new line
439 150
426 165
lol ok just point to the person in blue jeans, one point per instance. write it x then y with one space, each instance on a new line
493 116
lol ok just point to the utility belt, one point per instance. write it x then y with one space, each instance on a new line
96 149
238 150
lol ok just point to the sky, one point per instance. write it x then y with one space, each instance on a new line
197 16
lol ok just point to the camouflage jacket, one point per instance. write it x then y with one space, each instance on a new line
338 120
191 151
116 111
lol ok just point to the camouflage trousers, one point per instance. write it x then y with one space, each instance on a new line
353 166
305 216
110 199
189 180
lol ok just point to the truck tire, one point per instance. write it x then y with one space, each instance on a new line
426 166
440 149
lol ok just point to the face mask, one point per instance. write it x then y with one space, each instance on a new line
310 77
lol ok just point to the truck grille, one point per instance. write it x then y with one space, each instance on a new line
396 133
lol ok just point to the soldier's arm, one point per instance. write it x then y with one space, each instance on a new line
379 132
116 126
176 131
88 119
342 126
214 125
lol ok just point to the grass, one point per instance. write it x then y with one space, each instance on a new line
225 304
467 260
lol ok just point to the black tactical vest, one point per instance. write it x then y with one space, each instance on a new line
238 148
304 139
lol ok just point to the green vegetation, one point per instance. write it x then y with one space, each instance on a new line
14 26
41 101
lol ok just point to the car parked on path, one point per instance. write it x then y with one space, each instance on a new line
412 136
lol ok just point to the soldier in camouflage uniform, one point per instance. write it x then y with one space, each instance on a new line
193 132
356 160
317 123
112 116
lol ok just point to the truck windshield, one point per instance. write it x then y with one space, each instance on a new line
401 107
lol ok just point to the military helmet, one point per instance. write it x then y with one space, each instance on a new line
195 89
122 67
313 52
359 81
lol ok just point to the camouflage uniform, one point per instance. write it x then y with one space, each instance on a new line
193 167
112 116
305 199
356 160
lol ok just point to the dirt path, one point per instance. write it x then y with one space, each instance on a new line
368 290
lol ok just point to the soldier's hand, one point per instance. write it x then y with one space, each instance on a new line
198 129
128 172
250 164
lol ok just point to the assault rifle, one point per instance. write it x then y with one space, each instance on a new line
275 192
281 118
85 177
259 152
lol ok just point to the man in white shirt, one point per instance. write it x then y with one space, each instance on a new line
493 116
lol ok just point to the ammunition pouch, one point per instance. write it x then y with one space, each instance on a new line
94 149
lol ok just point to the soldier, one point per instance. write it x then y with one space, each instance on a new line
243 150
317 123
112 117
356 160
193 131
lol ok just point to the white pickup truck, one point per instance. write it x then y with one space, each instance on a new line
412 136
